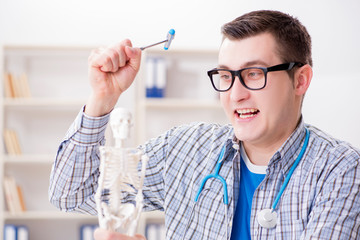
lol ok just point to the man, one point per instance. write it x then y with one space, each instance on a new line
308 181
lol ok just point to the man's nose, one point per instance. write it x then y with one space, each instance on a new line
238 91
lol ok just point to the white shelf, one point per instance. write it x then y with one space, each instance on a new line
47 215
43 102
180 103
29 159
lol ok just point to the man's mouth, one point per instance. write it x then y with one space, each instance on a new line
247 113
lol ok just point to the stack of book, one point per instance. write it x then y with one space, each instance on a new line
12 142
14 196
16 87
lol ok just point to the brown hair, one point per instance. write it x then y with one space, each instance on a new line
294 42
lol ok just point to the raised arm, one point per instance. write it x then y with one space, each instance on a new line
73 180
111 71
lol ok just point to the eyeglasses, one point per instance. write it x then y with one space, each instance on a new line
252 78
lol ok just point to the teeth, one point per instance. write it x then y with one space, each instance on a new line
247 113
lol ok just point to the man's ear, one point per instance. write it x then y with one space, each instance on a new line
302 79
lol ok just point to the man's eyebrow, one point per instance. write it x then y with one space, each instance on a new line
222 67
247 64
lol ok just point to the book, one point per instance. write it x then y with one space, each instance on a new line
10 202
16 87
8 86
12 142
21 198
25 89
13 195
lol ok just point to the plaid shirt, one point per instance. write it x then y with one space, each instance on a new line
321 201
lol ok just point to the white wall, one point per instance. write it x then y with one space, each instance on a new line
332 102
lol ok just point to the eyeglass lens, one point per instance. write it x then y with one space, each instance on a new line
253 78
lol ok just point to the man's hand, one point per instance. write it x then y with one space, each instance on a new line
111 71
101 234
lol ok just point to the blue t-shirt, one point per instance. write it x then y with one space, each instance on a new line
249 181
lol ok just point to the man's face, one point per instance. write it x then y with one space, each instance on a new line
265 117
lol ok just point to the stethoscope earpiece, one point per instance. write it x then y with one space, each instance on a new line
267 218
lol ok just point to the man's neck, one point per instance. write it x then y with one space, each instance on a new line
259 156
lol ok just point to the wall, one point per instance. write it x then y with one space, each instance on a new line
331 102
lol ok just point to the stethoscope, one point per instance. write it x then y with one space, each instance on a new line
266 218
225 194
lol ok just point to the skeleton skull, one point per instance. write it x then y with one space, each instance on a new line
120 122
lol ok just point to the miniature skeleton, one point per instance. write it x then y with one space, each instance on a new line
119 174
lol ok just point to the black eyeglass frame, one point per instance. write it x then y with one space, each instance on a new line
280 67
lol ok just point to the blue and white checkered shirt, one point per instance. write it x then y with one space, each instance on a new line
321 201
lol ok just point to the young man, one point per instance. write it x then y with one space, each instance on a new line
307 182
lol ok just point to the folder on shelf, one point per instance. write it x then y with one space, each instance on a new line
16 232
150 77
87 231
155 231
155 77
160 81
22 233
10 232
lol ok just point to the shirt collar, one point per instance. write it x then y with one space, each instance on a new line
289 151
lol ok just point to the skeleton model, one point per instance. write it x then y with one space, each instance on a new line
119 174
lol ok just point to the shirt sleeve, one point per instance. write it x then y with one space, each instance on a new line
74 175
335 214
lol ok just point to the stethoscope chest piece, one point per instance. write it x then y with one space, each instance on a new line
267 218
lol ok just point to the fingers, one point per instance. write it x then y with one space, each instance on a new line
101 234
135 57
114 57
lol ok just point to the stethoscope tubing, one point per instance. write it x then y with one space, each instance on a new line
296 163
217 176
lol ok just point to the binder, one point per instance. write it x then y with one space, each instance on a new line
155 231
22 233
16 232
156 70
10 232
87 231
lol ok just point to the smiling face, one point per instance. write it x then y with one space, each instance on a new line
262 118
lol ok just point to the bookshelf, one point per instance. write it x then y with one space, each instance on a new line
42 90
57 89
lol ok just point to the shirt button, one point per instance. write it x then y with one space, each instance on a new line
230 224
